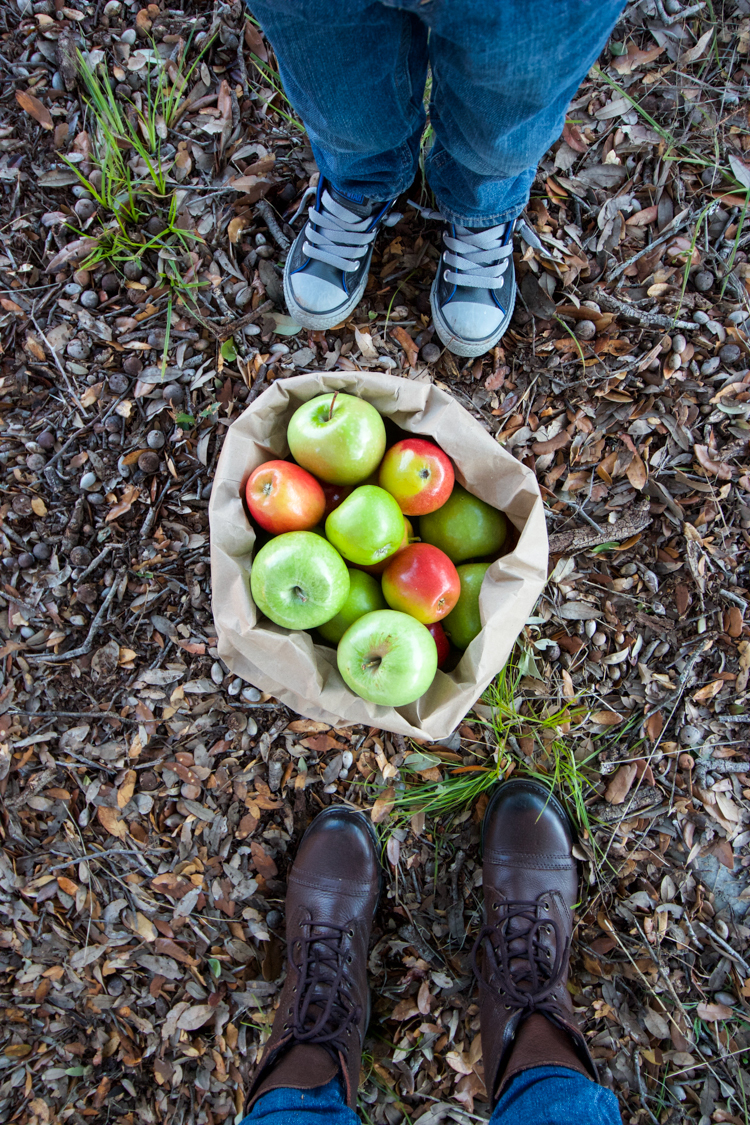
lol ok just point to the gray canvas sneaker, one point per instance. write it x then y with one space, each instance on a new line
327 266
474 290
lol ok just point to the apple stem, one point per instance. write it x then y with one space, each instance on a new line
374 663
333 400
300 594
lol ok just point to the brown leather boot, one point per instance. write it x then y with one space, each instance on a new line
332 893
521 955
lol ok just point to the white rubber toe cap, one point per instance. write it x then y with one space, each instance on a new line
470 320
315 294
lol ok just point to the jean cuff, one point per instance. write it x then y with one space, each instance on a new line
505 216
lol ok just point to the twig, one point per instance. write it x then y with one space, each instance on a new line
93 565
263 207
655 320
222 332
58 365
726 948
83 429
679 221
77 715
83 649
639 1078
12 535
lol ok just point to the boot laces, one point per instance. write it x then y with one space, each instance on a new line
473 258
323 1009
524 956
339 237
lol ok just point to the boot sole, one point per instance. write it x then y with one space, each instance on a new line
536 787
321 321
454 343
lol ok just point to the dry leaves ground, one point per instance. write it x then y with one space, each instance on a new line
152 802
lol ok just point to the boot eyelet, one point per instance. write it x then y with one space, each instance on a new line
350 933
546 906
495 905
445 275
507 1007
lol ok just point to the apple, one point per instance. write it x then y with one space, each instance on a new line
379 567
337 437
283 497
334 494
418 474
367 526
465 527
365 596
422 581
387 657
463 623
299 580
437 632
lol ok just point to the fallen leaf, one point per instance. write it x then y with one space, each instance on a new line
406 342
620 784
708 691
111 821
35 109
635 57
717 468
195 1016
605 718
694 53
383 805
125 792
130 494
713 1012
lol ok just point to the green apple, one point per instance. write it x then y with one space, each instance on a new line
366 527
465 527
365 596
338 438
299 580
462 623
387 657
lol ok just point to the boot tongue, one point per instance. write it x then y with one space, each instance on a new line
354 202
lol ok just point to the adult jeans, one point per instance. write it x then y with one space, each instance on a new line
546 1095
503 74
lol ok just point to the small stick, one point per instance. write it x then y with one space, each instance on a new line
85 648
263 207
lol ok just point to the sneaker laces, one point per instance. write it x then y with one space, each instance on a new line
518 966
337 236
478 258
323 1012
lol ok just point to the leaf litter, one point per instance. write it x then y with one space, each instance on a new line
152 802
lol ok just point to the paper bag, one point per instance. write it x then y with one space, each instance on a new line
290 665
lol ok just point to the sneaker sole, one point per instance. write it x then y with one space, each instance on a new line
322 321
454 343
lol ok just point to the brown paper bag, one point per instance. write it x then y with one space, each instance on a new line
290 665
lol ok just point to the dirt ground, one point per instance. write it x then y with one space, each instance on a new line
151 801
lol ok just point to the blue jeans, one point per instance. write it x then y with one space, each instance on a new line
546 1095
503 74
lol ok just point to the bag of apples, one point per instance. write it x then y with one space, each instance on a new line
383 575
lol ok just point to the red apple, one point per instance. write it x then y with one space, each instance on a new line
284 497
437 632
418 475
334 494
379 567
422 581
